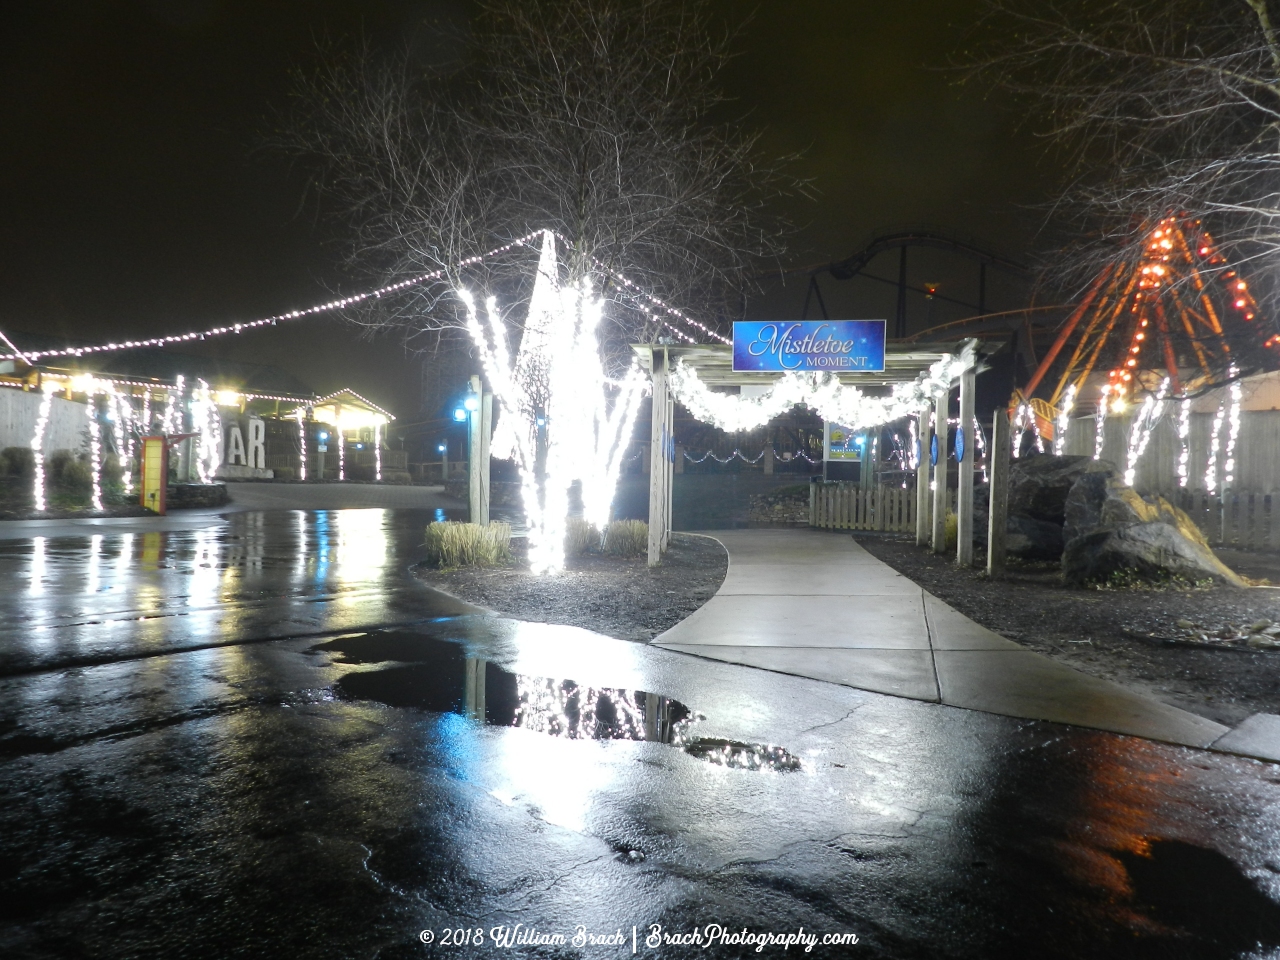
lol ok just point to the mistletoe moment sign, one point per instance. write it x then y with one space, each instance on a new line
832 346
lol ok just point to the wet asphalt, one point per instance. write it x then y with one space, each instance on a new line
260 737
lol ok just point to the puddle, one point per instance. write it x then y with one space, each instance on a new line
438 676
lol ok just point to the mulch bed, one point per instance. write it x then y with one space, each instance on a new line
1186 647
622 598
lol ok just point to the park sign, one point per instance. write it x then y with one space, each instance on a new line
832 346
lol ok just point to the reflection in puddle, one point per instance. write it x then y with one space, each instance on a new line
436 675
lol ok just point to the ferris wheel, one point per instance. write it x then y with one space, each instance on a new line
1167 317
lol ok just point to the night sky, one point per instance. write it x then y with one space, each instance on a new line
135 198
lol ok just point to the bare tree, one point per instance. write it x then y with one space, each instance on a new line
1161 108
593 118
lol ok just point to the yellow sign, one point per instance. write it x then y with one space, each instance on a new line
155 473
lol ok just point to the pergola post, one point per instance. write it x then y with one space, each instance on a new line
668 469
658 456
998 509
923 493
964 464
941 432
486 435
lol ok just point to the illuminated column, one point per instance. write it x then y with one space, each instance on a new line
964 464
668 469
657 455
941 434
923 494
998 509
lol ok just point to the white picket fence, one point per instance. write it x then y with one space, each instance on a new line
850 506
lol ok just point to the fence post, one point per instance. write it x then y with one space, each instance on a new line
964 467
922 479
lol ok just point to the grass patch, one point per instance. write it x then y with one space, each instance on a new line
453 544
626 538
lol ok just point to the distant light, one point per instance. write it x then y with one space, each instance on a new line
359 446
542 421
323 435
441 448
460 415
472 402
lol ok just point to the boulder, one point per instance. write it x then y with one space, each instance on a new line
1025 537
1039 484
1110 529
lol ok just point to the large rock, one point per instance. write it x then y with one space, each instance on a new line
1039 484
1025 537
1110 529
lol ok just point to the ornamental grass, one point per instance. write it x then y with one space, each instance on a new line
626 538
580 537
453 544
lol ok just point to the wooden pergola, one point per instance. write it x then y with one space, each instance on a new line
904 362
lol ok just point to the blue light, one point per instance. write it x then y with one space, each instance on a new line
472 402
323 436
460 415
442 448
359 446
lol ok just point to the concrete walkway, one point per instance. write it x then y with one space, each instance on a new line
815 604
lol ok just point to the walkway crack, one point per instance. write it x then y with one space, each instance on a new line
928 630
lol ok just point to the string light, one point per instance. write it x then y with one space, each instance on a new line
1140 432
821 392
236 328
1233 417
1100 423
1064 421
1184 441
377 451
562 363
37 443
302 444
95 448
1211 470
204 413
913 455
342 453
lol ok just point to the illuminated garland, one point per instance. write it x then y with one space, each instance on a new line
1100 423
1211 469
821 392
377 451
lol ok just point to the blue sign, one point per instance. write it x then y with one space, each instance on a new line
833 346
959 446
933 450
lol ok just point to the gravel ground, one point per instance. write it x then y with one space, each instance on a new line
620 598
1101 632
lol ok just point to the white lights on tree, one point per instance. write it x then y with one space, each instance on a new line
302 444
1064 421
342 453
377 451
1100 423
1215 439
555 401
1140 431
1184 442
821 392
1233 430
204 414
95 445
37 443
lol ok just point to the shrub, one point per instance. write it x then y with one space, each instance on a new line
580 537
17 462
283 473
452 544
952 530
68 473
626 538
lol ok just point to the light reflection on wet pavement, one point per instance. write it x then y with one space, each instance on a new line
180 793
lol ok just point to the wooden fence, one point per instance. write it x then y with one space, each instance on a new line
1250 521
851 506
